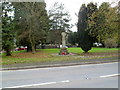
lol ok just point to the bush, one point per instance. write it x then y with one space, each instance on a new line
110 43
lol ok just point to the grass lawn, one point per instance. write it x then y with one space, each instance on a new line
79 50
48 55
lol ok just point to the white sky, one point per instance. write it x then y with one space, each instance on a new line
73 6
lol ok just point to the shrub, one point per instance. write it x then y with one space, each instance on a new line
110 43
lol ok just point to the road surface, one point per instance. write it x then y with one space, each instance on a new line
79 76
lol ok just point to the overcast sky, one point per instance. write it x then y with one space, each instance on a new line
73 6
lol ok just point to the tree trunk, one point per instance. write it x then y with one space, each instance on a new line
33 48
42 46
32 41
8 52
86 51
32 45
29 48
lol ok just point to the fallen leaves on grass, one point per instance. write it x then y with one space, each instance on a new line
30 55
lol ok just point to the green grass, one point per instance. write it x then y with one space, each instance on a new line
49 50
21 51
79 50
46 55
104 50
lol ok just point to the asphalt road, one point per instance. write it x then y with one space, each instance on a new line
79 76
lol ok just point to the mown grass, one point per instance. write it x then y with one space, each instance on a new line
47 55
104 50
79 50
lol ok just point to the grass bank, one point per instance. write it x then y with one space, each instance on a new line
49 55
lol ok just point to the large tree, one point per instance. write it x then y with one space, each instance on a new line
118 11
85 40
59 22
8 34
32 22
104 23
0 27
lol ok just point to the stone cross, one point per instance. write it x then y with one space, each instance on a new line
63 40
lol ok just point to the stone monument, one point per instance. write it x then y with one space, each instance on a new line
63 40
63 50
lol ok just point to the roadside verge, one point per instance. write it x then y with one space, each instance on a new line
58 63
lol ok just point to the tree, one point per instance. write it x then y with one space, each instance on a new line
112 24
32 22
73 38
54 36
118 11
59 22
0 27
103 24
85 40
8 34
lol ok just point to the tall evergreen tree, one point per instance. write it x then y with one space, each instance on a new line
85 40
8 34
0 27
59 17
59 22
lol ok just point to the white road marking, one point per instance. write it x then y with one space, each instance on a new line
65 81
55 67
26 69
109 75
31 85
